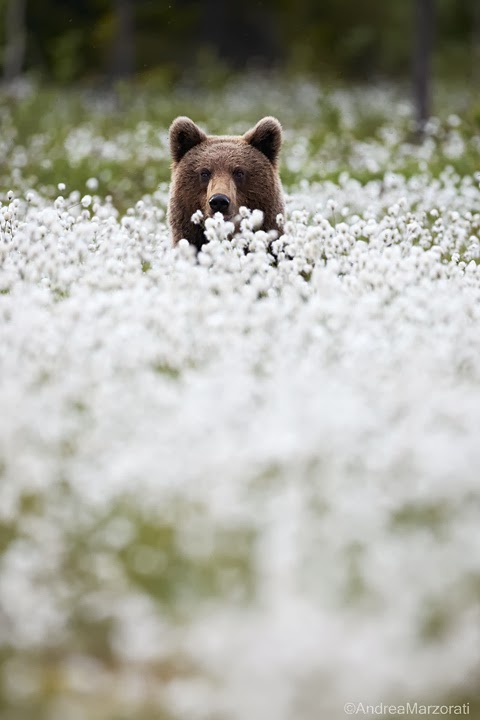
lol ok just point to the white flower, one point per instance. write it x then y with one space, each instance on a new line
197 217
92 184
293 419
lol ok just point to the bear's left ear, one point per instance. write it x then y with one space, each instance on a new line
184 135
266 136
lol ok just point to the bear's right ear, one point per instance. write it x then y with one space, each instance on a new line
184 135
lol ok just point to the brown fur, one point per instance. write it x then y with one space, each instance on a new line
243 168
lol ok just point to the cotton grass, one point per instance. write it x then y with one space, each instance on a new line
241 485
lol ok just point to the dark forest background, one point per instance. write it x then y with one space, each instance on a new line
69 41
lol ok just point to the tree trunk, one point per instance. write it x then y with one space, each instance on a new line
422 71
15 35
123 43
238 35
475 43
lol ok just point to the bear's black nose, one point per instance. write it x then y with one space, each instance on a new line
219 203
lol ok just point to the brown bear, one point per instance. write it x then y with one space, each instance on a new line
221 174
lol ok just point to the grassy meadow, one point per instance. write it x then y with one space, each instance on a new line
239 486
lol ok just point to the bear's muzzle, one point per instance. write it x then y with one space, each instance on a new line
220 203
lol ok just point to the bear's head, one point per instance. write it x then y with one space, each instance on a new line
221 174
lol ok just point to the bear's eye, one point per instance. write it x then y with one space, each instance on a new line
238 174
205 174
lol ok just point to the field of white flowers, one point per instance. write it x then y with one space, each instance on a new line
238 486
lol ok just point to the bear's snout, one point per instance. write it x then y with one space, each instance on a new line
219 203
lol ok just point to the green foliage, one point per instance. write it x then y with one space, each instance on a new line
66 56
334 38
